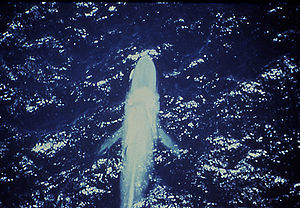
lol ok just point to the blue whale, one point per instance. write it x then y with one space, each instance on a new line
139 132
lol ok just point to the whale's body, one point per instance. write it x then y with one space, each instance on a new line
141 111
139 132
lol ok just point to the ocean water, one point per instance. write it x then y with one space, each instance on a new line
229 97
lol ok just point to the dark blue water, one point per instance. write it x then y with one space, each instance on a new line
229 97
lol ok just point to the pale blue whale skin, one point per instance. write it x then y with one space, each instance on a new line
139 132
144 75
141 111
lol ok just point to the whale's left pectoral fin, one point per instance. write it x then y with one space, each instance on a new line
110 141
167 141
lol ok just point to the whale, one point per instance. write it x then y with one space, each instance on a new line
139 133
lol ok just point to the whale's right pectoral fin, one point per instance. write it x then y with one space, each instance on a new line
110 141
167 141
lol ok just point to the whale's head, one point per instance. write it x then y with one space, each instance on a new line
144 74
